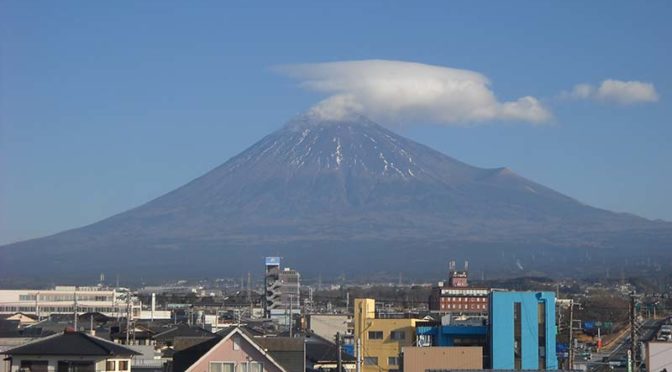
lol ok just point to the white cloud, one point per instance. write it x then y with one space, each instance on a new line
615 91
581 91
402 90
626 92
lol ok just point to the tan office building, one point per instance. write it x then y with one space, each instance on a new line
421 359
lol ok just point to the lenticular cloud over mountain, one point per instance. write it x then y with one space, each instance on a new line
396 90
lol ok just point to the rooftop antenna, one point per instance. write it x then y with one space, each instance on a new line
466 265
451 265
249 287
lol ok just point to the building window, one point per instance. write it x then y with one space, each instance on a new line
35 365
123 365
110 365
393 361
242 367
236 342
541 312
75 366
370 361
424 340
256 367
375 335
398 335
517 338
221 367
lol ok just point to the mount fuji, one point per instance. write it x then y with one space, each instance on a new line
344 196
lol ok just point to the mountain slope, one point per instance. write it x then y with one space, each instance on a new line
316 181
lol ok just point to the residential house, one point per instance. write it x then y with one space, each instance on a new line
70 351
239 351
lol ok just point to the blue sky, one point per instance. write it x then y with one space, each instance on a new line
106 105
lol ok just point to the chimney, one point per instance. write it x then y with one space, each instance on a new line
92 330
153 305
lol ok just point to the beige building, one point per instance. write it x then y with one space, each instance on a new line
380 339
328 325
421 359
23 319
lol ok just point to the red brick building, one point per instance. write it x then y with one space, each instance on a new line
456 296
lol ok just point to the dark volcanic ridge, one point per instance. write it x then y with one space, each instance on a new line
315 182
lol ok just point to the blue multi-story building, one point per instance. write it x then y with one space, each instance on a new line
522 330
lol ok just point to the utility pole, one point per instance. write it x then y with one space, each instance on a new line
128 317
633 335
75 311
358 346
339 341
291 307
571 334
37 306
358 336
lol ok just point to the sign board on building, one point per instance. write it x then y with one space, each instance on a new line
272 261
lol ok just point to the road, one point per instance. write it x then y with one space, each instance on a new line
600 361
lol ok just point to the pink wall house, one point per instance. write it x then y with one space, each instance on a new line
237 352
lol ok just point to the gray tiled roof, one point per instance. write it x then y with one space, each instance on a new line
72 343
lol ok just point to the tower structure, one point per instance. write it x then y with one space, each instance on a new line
282 297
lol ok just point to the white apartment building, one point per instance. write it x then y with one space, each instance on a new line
68 299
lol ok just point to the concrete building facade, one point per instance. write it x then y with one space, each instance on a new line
67 300
328 325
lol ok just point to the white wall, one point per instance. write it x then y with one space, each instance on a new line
659 356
